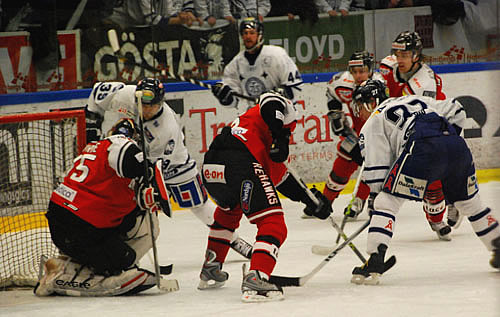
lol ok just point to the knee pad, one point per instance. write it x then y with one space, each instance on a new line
335 182
139 238
470 206
387 202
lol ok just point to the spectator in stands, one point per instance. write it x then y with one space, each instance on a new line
342 6
250 8
211 10
160 13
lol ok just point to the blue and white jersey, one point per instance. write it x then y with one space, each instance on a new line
272 69
386 132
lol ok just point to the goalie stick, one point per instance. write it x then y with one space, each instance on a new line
115 46
300 281
163 285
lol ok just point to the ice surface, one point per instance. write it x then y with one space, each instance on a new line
431 278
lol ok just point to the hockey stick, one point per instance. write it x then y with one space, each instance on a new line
300 281
316 201
163 285
115 46
354 193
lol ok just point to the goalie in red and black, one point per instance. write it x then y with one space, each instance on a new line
243 171
97 219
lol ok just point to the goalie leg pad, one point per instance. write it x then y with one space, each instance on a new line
68 278
139 238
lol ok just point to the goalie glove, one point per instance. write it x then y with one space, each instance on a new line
323 210
279 148
155 196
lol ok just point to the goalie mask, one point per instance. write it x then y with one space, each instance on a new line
152 91
126 127
408 41
368 92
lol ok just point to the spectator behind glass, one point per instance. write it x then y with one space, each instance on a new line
161 14
250 8
343 6
211 10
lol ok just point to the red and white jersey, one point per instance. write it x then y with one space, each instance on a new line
96 189
251 129
423 83
340 87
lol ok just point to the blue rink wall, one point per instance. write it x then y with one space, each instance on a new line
313 147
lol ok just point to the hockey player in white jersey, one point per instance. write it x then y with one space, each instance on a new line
407 143
346 122
110 101
257 69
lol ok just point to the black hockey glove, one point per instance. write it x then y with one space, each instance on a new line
93 122
350 147
321 211
223 93
279 148
339 123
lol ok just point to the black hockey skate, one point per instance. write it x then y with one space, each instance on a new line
370 272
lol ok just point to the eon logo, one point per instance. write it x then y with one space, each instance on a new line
214 173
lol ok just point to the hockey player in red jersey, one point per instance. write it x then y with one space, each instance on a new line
243 170
406 74
339 97
98 224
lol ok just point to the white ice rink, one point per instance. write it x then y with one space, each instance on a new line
431 277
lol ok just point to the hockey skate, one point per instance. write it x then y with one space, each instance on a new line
242 247
454 217
370 272
211 275
495 259
353 210
442 230
255 288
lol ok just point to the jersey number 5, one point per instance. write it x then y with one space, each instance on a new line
82 168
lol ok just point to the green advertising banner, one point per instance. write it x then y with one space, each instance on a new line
322 47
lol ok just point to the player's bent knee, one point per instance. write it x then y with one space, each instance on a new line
470 206
388 202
